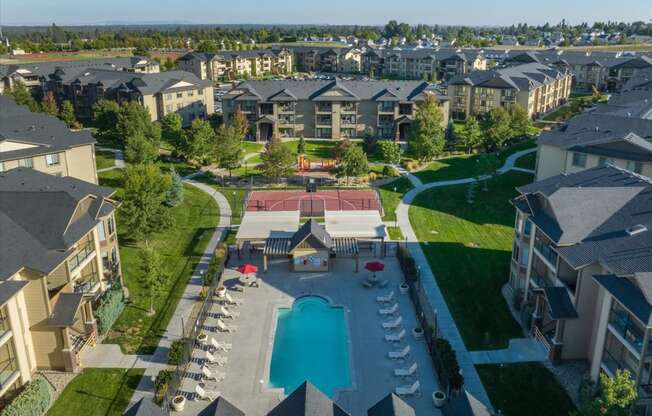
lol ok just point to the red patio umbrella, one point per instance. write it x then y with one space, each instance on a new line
247 268
374 266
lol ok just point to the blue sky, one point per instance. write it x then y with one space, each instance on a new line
469 12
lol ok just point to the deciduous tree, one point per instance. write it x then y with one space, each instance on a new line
152 274
140 150
23 96
172 132
497 128
143 208
519 121
201 142
49 104
390 151
353 163
230 151
470 136
240 123
278 160
105 116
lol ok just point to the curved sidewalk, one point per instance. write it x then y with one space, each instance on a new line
447 325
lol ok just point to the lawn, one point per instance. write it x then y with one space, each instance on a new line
468 247
104 159
180 247
395 233
514 388
234 196
390 198
97 392
527 162
465 166
252 147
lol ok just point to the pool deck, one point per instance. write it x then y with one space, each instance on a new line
372 371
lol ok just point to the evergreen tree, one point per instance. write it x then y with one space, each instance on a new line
67 114
301 146
230 151
427 139
201 142
175 194
469 137
23 96
49 104
278 160
369 141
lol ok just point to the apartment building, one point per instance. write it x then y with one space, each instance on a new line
324 59
59 255
236 64
617 133
428 64
328 109
581 269
35 74
535 87
44 143
161 93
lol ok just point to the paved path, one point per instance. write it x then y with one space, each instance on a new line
447 324
520 350
119 159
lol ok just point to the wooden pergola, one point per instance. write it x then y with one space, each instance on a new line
280 247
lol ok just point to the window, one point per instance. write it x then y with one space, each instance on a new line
386 106
323 133
26 163
626 325
179 106
168 96
348 118
200 92
8 365
528 227
169 108
636 167
347 132
100 232
579 160
385 119
324 119
179 95
52 159
2 167
191 93
515 251
386 133
4 321
604 161
525 256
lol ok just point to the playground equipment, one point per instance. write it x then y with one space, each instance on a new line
304 164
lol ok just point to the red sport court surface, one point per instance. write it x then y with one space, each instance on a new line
313 203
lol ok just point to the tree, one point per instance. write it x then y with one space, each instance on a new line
145 191
519 121
617 397
133 119
301 146
172 132
278 160
390 151
105 115
340 148
369 141
23 96
427 139
470 136
49 104
240 123
67 115
140 150
497 128
230 151
200 145
175 195
353 163
152 275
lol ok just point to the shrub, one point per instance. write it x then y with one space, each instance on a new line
161 384
390 171
111 306
408 264
177 352
449 373
34 400
372 176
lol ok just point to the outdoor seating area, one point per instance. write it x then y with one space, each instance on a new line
232 360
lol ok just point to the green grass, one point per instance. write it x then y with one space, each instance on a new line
180 247
104 159
527 162
562 113
97 392
514 388
390 198
395 233
252 147
468 247
465 166
234 196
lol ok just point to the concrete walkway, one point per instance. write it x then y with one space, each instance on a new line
119 159
447 324
520 350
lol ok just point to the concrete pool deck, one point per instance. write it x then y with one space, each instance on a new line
372 371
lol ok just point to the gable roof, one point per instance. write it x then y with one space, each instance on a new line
307 400
314 229
391 405
465 404
633 293
221 407
519 77
145 407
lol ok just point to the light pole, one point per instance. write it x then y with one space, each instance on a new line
233 203
395 216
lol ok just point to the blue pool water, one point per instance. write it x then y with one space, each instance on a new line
310 344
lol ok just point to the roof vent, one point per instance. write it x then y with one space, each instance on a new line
636 229
597 128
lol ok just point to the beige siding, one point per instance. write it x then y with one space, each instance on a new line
81 163
550 161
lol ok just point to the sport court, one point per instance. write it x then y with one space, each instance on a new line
314 204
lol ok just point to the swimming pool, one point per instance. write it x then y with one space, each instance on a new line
310 344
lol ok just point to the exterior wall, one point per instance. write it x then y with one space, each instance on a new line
603 306
78 162
550 161
21 339
193 103
301 255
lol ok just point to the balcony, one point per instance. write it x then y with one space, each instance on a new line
612 364
546 252
324 108
80 257
621 323
386 108
87 284
539 279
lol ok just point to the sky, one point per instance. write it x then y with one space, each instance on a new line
363 12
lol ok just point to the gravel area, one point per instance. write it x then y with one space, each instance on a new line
57 379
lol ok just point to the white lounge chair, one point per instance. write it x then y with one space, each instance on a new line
409 390
395 337
207 374
228 313
229 300
399 355
216 359
393 324
201 394
389 311
386 299
407 371
220 346
226 328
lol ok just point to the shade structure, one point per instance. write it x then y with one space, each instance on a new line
247 268
374 266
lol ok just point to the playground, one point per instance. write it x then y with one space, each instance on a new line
314 204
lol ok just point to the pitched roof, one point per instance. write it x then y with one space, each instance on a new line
391 405
519 77
145 407
65 310
221 407
307 400
561 306
633 292
9 288
37 238
465 404
46 68
314 229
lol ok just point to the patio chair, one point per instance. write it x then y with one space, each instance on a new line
395 338
383 283
367 284
207 374
226 328
201 394
216 359
225 313
399 355
391 324
255 283
389 311
409 390
220 346
386 299
232 301
407 371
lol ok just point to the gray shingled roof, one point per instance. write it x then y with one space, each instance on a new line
41 238
311 228
221 407
47 133
46 68
588 214
65 310
209 56
391 405
519 77
9 288
465 404
632 292
145 407
307 400
561 306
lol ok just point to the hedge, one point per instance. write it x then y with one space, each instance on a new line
449 373
407 263
111 306
34 400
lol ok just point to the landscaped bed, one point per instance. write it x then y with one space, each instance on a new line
468 247
524 389
97 392
104 159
